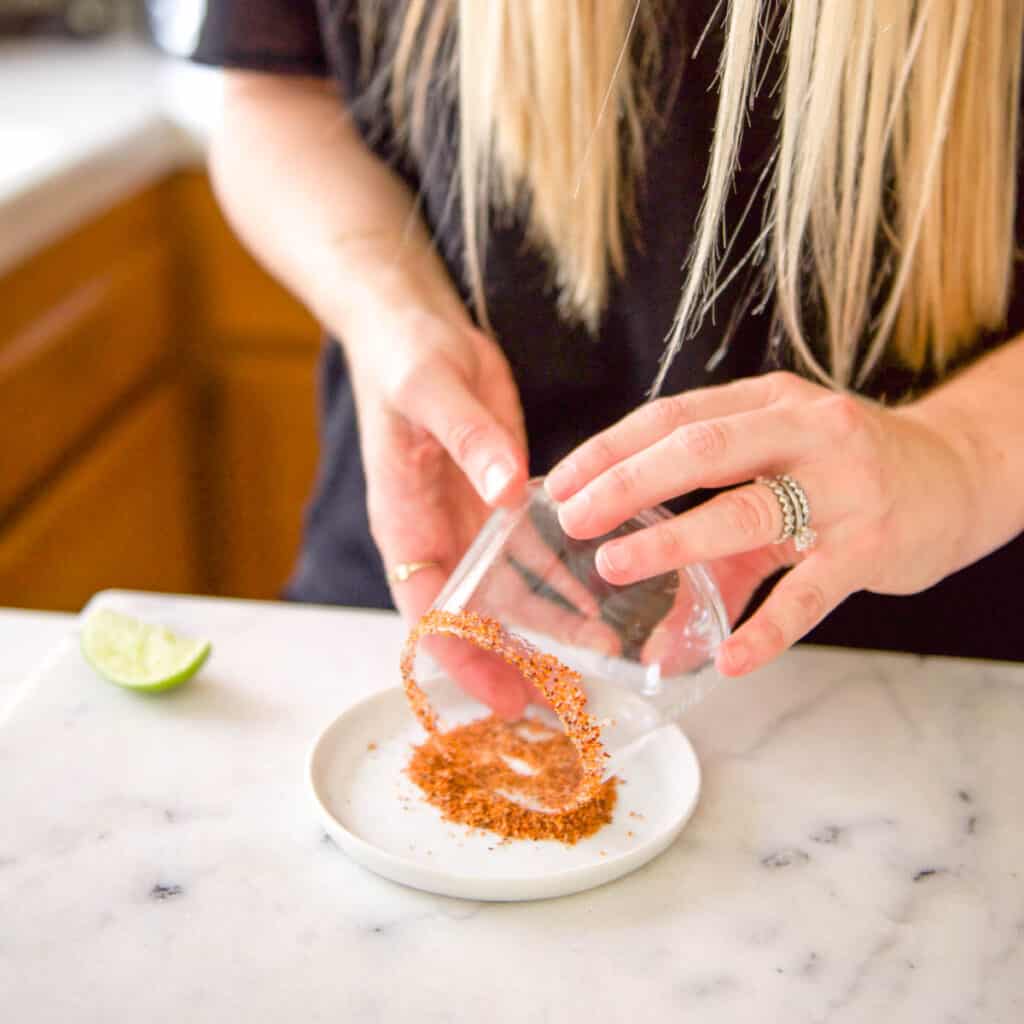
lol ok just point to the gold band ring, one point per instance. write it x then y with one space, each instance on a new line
404 570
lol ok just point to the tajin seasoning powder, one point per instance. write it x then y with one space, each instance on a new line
464 772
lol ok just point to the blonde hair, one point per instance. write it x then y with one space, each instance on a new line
889 202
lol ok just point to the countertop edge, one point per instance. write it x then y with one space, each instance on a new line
166 128
58 203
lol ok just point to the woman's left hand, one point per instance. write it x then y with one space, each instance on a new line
889 490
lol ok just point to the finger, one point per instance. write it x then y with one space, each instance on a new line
739 576
509 596
409 499
482 674
411 522
479 673
414 596
527 547
489 678
498 381
737 580
711 453
486 451
742 520
798 602
653 421
402 536
668 645
495 683
524 609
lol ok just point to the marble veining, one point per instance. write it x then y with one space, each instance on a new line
856 855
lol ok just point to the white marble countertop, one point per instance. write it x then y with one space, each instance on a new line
857 855
25 637
83 124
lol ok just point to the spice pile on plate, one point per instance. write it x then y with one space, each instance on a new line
463 771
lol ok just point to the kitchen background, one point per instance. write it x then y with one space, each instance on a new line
157 395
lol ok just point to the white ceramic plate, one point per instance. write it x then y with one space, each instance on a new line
379 818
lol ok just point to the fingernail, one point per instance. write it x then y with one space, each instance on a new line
613 558
576 510
560 479
497 477
737 658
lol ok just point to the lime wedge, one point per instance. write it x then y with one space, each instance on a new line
138 655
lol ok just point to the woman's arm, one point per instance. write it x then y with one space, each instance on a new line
440 421
981 413
317 207
900 498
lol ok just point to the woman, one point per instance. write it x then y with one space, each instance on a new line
501 209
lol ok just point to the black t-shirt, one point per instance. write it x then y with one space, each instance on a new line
572 383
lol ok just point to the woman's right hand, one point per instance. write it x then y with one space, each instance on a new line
443 441
439 413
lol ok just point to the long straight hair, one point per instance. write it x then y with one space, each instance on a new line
888 204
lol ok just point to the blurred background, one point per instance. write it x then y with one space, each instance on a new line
157 405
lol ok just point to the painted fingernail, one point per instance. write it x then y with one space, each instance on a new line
613 558
497 477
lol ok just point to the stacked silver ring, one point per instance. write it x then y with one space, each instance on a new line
795 509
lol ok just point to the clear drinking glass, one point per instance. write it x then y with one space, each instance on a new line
644 650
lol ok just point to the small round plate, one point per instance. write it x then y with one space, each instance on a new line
377 815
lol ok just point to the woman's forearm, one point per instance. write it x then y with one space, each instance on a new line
440 423
315 205
981 413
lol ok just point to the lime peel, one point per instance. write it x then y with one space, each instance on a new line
139 655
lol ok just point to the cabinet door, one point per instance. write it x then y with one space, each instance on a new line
254 352
259 461
121 516
86 349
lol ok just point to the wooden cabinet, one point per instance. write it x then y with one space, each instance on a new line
156 410
82 327
122 515
254 351
257 462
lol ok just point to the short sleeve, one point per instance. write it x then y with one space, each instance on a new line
259 35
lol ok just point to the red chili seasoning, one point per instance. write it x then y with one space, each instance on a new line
463 771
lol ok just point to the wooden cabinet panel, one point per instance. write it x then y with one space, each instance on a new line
109 477
39 285
259 461
122 516
67 368
254 354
